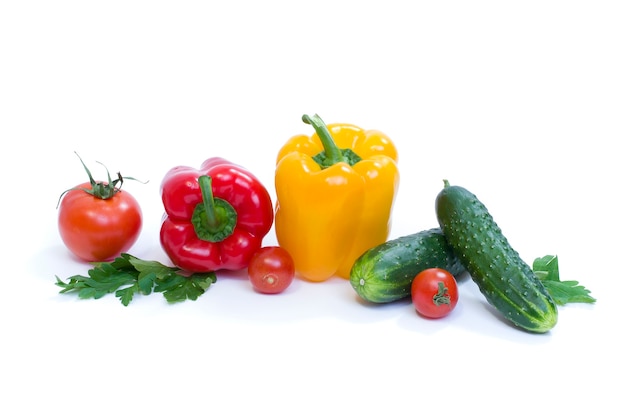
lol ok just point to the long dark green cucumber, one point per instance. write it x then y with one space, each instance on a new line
384 273
508 283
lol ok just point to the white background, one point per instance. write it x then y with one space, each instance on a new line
523 103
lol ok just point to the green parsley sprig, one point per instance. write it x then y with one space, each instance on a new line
128 275
563 292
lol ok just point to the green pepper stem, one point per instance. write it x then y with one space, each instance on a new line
214 219
333 153
206 188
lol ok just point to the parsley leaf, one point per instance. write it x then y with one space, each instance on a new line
563 292
128 275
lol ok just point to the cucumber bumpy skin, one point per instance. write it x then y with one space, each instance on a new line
508 283
385 272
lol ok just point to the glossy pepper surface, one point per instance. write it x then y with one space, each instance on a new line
335 192
215 217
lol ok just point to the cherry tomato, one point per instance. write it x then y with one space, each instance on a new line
434 292
271 270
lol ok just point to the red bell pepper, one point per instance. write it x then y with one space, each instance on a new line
215 217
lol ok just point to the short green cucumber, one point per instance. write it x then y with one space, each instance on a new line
385 272
508 283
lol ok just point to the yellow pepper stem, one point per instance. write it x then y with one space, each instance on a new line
331 154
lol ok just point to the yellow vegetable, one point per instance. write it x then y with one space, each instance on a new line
335 192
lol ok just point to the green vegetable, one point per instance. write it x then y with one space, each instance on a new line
385 272
127 275
506 281
563 292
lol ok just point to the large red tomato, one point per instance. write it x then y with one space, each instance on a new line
98 229
97 220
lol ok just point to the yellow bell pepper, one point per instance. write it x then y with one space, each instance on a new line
335 192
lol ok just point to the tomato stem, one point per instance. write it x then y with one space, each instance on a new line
442 296
100 189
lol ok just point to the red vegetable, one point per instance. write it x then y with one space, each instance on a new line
215 217
271 270
434 293
97 220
